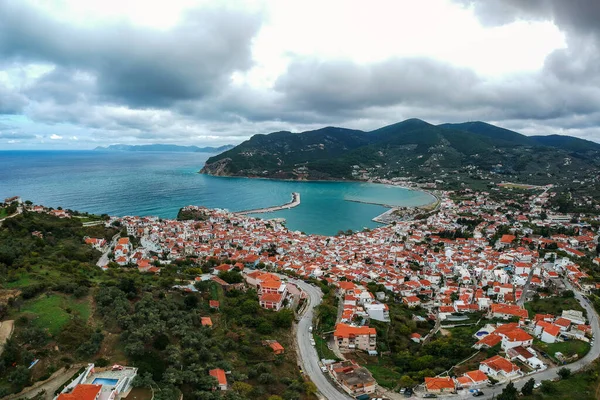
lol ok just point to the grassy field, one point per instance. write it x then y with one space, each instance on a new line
568 348
54 311
552 305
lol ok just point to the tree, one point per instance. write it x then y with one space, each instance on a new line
509 392
243 388
564 373
19 376
527 389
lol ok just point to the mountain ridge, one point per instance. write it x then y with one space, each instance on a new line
410 148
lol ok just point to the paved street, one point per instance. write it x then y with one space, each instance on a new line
103 261
307 354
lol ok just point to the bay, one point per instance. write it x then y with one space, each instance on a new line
124 183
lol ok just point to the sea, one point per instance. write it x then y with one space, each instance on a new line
159 184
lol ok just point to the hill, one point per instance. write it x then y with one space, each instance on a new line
411 149
173 148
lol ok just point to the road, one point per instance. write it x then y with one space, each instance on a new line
103 261
551 373
48 386
307 353
523 297
19 211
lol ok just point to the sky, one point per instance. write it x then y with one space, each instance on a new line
79 74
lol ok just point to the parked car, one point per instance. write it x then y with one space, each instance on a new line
537 385
430 396
478 393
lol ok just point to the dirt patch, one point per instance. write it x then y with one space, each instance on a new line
7 294
6 330
444 332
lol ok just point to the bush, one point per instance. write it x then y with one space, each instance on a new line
564 373
102 362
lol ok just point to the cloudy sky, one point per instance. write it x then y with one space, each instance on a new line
77 74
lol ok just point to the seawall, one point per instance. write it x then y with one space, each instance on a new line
295 202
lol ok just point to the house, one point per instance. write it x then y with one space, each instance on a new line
219 375
499 367
272 301
412 301
576 317
514 337
206 321
355 337
525 355
276 347
439 385
488 341
82 392
378 311
473 378
214 304
507 311
415 337
548 332
354 379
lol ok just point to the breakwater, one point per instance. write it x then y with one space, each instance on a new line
295 202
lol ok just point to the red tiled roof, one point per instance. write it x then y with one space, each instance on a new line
81 392
219 374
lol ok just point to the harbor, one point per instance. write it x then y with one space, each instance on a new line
295 202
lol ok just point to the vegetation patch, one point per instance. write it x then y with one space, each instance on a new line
53 311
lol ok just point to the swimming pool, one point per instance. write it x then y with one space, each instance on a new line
482 333
105 382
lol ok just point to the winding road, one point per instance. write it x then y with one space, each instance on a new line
307 353
309 358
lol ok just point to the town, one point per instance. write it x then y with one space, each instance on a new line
492 268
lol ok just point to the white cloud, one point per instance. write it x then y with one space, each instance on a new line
54 136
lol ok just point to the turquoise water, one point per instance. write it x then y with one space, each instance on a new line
161 183
105 381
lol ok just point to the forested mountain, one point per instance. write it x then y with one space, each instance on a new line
412 148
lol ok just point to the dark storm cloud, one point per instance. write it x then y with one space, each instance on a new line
339 85
572 15
345 88
134 65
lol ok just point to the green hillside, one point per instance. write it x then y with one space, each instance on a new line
411 148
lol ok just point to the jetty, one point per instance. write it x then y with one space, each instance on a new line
295 202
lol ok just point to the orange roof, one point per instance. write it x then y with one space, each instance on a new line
206 321
498 363
551 329
124 240
271 297
477 376
563 322
490 340
439 383
345 330
276 346
219 374
213 303
507 238
82 392
518 335
509 309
